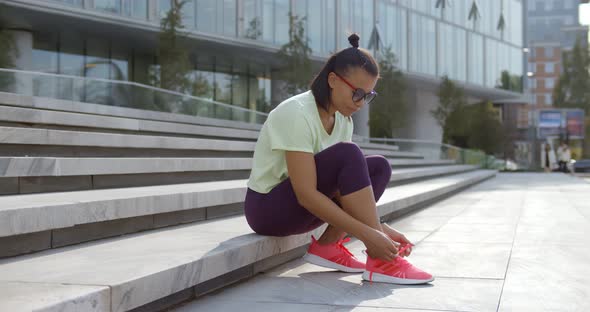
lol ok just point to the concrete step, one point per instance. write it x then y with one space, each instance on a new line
21 141
71 166
380 147
392 154
51 104
396 163
175 263
25 175
80 121
34 222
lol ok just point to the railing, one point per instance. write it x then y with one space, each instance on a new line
432 150
120 93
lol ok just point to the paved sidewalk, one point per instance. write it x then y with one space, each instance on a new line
519 242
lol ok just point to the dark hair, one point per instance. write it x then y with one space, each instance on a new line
341 63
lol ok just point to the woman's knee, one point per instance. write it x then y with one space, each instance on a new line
379 165
348 149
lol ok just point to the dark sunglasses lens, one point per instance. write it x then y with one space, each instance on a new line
358 95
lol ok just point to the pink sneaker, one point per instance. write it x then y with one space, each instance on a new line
333 256
397 271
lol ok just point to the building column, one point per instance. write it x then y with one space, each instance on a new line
361 122
23 59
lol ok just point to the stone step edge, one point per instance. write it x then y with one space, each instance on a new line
12 167
51 104
139 201
16 114
43 136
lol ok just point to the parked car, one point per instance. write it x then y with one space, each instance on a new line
582 165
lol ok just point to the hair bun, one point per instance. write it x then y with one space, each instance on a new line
354 40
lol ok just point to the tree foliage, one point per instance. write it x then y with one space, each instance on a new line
475 126
573 87
510 82
172 55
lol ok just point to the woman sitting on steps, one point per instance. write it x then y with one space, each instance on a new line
307 171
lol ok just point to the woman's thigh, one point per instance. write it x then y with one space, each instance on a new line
278 213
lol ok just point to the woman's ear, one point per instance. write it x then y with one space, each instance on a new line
331 79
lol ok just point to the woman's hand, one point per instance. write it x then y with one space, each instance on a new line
380 246
397 237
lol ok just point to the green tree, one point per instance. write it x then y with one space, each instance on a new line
485 131
474 126
388 110
510 82
449 112
573 87
254 29
294 55
172 71
172 55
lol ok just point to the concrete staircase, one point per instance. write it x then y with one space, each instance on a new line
116 209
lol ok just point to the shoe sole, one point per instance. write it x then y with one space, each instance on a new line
381 278
319 261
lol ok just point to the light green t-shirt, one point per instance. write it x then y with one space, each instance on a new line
294 125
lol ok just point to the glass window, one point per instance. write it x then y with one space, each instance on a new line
135 8
281 22
423 40
532 5
549 52
329 20
548 5
188 14
44 59
142 62
268 21
314 23
77 3
111 6
229 18
355 17
568 4
97 65
550 83
568 20
393 25
451 52
206 15
475 63
345 26
549 68
120 63
548 99
71 55
252 15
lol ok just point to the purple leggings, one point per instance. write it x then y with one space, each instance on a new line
341 167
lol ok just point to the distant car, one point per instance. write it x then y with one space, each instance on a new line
582 165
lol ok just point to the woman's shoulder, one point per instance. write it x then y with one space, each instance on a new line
295 105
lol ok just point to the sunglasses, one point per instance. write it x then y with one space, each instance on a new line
358 93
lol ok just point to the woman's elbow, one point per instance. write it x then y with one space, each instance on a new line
304 198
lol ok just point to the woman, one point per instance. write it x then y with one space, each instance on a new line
307 171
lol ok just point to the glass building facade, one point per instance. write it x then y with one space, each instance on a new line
426 40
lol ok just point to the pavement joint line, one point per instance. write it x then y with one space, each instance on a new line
522 199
